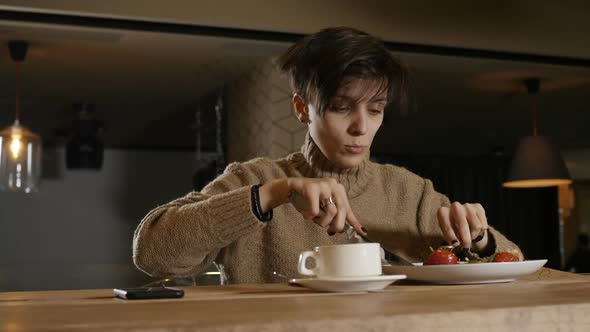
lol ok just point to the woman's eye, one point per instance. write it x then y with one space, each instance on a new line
375 112
340 109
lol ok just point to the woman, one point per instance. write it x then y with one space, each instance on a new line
342 80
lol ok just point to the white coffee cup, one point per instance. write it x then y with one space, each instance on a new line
342 261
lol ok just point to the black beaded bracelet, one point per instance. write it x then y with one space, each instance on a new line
254 193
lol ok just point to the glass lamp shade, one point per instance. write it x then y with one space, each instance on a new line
537 163
20 159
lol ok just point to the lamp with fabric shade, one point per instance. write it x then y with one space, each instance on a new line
536 162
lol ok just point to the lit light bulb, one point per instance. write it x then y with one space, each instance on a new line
16 146
20 159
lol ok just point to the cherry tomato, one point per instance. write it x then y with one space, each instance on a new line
441 257
505 257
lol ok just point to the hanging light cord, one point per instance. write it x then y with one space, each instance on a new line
533 86
534 108
17 100
18 53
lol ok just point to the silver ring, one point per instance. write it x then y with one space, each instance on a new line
326 202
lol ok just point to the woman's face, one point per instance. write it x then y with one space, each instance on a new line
346 130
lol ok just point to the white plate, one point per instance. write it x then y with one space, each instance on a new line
476 273
362 284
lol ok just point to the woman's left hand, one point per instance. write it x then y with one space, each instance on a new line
465 225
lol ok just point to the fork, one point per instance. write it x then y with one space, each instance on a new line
351 233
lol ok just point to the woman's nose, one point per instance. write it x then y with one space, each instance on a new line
358 126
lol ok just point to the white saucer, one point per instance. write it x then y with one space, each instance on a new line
360 284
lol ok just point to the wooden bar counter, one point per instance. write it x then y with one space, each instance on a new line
548 300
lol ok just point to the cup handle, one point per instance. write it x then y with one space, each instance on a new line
301 265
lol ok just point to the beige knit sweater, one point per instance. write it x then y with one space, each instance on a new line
182 238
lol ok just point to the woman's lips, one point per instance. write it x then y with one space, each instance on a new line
356 149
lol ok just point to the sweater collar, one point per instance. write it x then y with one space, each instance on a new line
313 163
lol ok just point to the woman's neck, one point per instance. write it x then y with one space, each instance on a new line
354 179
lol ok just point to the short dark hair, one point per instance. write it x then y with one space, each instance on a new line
317 64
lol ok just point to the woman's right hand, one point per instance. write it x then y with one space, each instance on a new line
316 192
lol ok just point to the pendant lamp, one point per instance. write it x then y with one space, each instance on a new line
20 148
536 162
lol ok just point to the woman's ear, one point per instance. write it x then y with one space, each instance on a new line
301 110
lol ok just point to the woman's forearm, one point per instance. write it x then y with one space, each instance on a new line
185 235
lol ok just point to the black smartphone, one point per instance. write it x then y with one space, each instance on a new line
143 293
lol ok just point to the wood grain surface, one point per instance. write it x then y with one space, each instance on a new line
548 300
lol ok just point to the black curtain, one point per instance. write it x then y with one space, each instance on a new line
528 217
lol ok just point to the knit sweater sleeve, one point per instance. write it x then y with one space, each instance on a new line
184 236
430 231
